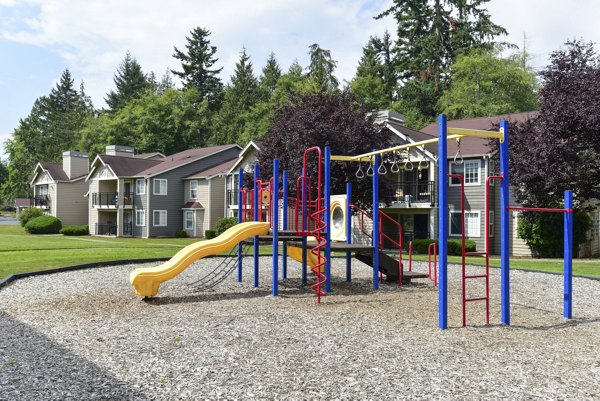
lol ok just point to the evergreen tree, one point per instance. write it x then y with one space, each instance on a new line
387 68
197 66
367 85
322 67
130 82
271 73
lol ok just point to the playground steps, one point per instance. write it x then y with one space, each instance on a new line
388 265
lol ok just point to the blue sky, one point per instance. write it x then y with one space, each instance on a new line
40 38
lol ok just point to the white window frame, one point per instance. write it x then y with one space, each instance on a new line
477 232
492 223
138 186
192 196
160 212
45 191
185 220
140 222
464 166
154 185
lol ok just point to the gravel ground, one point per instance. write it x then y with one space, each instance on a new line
85 335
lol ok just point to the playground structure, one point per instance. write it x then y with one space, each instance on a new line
312 212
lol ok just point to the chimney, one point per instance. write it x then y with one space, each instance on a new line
118 150
75 164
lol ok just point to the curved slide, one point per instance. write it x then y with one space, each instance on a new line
147 280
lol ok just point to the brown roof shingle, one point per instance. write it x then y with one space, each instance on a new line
55 170
124 166
221 168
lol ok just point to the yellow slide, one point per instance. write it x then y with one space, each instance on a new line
147 280
295 252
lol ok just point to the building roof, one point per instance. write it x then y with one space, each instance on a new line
55 170
125 166
252 146
416 136
152 155
22 202
193 205
471 145
221 168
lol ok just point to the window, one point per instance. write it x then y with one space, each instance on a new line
188 220
160 186
140 186
471 223
43 190
469 169
193 189
492 223
140 218
160 218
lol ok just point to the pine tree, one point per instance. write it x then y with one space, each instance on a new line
130 82
367 85
322 67
271 73
197 66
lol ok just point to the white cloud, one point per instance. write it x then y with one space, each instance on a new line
92 37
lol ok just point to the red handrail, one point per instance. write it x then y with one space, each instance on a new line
429 247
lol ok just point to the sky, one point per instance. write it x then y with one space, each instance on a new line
39 39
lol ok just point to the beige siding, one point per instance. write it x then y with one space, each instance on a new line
71 205
202 221
217 200
93 213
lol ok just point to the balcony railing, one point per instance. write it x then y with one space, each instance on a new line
128 229
232 197
412 192
109 199
41 201
106 229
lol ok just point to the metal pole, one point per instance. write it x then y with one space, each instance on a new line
443 221
256 211
504 228
568 256
327 201
304 228
240 200
275 226
376 224
284 226
348 231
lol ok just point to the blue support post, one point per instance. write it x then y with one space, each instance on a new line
504 228
568 256
327 200
376 224
240 218
284 226
275 226
348 231
256 211
443 221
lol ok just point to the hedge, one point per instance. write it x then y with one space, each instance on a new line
28 214
43 225
210 234
75 230
180 234
225 223
454 246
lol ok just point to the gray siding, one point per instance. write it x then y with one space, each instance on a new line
71 205
217 200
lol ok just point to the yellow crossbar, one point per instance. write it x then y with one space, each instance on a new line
476 132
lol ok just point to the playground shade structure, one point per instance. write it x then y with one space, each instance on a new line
146 281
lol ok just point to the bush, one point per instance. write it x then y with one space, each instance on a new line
421 245
224 223
210 234
43 225
455 246
75 230
180 234
28 214
9 209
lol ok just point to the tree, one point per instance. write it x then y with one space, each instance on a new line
197 67
130 82
367 85
559 148
322 67
483 84
324 119
239 98
271 73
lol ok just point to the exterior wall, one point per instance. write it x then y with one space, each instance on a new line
93 212
217 200
71 205
173 201
142 202
247 164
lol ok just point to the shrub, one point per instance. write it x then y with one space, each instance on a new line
28 214
455 246
210 234
9 209
224 223
421 245
43 225
75 230
180 234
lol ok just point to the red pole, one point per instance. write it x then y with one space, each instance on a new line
463 238
487 245
410 256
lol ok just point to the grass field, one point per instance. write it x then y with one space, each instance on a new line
20 252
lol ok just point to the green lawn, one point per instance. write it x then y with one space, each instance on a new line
20 252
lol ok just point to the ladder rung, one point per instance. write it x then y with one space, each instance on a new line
475 299
477 276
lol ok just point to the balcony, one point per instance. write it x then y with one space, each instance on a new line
110 200
42 201
232 197
421 193
106 229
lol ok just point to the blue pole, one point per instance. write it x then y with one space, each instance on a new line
327 201
240 217
504 228
256 211
348 231
443 221
275 226
568 256
284 225
376 224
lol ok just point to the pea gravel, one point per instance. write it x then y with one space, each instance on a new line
85 335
